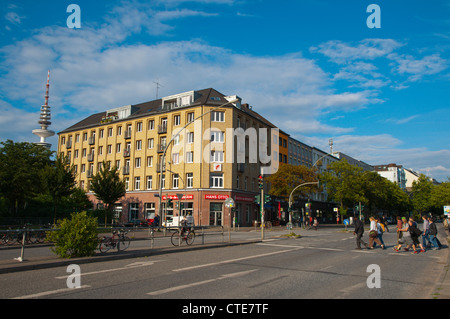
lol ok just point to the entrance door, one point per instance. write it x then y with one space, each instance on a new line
215 214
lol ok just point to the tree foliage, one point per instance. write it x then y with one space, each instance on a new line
290 176
20 168
75 237
58 180
107 186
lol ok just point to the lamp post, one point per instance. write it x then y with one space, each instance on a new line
160 210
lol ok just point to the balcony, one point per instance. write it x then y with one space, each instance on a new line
160 148
69 144
90 157
162 129
90 173
91 140
126 170
127 134
158 167
240 167
126 153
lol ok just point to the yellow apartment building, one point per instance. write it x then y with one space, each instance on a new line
216 151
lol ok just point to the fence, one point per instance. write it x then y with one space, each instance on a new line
21 238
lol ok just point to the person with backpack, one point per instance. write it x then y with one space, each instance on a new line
433 233
380 230
415 232
373 234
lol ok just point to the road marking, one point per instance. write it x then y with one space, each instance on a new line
234 260
198 283
127 267
51 292
281 245
354 287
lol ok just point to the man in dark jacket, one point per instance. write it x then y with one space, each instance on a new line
359 231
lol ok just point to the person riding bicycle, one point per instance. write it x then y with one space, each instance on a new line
186 222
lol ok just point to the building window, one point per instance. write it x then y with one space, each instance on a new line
175 181
217 137
216 157
176 120
175 158
190 117
134 211
118 147
127 183
137 162
216 181
189 157
139 127
151 143
138 145
217 116
149 161
151 124
149 210
137 183
190 137
149 182
189 180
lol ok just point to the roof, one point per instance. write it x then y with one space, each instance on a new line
208 96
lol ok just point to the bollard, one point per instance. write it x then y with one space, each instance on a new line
20 259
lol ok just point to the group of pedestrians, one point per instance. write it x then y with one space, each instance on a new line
408 234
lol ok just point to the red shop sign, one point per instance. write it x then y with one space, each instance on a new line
216 196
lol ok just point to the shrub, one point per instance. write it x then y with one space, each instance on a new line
75 237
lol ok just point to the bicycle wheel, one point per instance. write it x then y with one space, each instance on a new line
105 244
190 238
175 238
124 243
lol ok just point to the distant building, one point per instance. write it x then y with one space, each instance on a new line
393 172
354 161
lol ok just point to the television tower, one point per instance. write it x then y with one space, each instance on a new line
44 121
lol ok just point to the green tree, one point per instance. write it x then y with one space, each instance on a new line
440 196
344 184
58 180
421 194
20 167
290 176
108 187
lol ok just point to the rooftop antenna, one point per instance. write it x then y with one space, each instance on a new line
330 142
158 85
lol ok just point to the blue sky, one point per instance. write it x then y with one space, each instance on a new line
312 67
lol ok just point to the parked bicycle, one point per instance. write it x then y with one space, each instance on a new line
118 239
13 237
188 236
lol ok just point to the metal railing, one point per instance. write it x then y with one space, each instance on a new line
26 237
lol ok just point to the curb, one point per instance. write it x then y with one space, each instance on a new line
46 262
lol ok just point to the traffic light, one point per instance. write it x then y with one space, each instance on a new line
169 203
258 199
260 181
267 199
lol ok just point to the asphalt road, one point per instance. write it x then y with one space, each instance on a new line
322 264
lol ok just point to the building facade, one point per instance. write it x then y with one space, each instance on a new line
210 148
393 172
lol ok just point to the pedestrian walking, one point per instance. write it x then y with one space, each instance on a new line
426 232
316 223
433 234
415 233
359 231
399 233
380 230
405 237
373 234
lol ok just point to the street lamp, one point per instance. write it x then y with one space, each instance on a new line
160 210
